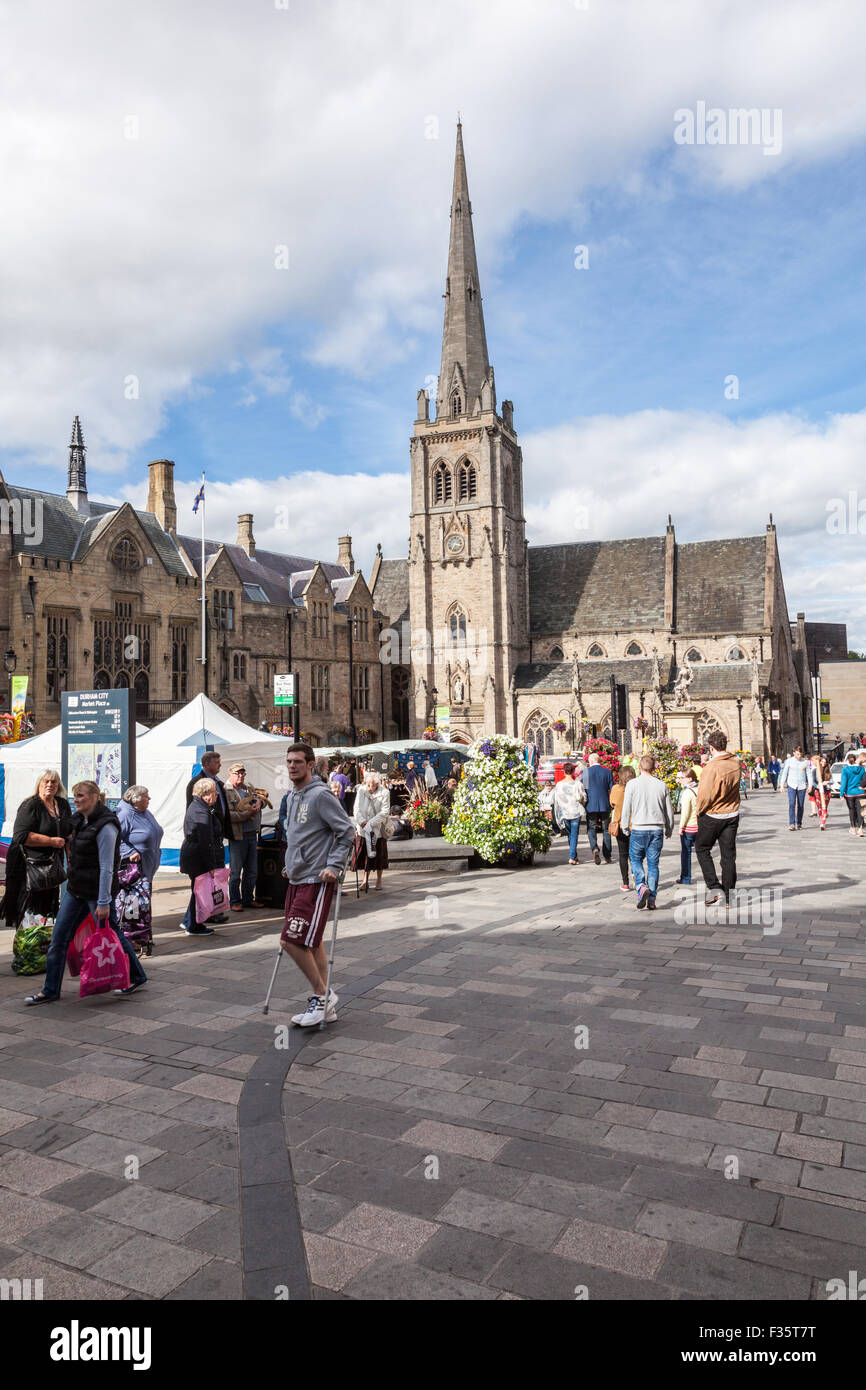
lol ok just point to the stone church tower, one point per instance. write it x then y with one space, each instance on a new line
468 585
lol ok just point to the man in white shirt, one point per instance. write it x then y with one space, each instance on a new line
798 777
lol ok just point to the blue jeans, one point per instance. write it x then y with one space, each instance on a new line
687 844
595 821
70 915
243 859
573 828
646 844
796 802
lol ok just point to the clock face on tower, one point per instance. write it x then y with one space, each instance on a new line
454 545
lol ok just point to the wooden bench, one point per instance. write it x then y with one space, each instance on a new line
430 854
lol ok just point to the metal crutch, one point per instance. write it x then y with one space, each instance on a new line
273 980
340 877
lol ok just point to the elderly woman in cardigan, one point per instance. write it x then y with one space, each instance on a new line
140 831
372 809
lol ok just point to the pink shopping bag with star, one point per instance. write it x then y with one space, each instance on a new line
104 963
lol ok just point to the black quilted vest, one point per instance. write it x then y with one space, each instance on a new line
83 879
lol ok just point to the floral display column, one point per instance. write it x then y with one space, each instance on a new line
496 806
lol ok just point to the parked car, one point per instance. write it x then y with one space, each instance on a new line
835 778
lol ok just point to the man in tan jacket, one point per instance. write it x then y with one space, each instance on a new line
718 817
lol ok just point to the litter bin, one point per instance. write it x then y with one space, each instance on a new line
270 884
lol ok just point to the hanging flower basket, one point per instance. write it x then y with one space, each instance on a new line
559 725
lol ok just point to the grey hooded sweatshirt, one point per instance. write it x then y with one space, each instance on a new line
318 832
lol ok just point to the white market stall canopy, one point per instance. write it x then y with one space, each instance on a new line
170 753
203 724
23 762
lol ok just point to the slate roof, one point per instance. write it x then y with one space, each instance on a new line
67 535
635 672
620 585
591 585
283 577
391 591
720 585
725 678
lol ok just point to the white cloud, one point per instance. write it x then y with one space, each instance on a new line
256 127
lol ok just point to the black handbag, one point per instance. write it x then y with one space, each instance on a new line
45 870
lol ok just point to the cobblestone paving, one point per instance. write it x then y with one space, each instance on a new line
448 1138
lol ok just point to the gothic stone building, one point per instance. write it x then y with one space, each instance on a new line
515 638
95 596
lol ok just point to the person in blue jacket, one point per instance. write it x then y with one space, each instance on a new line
852 788
598 781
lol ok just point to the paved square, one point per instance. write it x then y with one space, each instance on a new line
531 1088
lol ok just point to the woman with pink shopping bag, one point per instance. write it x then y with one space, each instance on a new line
201 856
94 853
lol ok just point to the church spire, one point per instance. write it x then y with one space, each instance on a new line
465 366
76 482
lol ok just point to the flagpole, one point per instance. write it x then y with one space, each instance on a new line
203 596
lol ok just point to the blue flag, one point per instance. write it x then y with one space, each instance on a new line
199 497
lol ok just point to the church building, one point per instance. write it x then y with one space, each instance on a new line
524 639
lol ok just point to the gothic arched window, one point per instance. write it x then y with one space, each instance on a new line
456 405
457 624
707 724
538 730
693 655
736 654
595 650
468 486
101 681
634 649
441 483
556 654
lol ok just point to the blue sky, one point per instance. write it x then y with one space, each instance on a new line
190 156
683 288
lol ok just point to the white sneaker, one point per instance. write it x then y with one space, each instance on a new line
315 1012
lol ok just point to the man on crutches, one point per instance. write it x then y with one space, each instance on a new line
319 836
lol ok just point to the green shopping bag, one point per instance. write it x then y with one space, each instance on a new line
31 943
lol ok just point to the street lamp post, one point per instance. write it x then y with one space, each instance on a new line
434 696
10 661
740 719
381 684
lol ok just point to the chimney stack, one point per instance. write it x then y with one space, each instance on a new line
344 553
245 539
160 496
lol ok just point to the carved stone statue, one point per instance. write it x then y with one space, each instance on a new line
458 692
681 689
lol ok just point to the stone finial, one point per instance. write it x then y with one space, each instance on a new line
76 478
